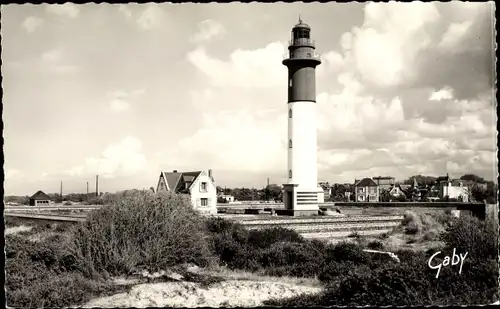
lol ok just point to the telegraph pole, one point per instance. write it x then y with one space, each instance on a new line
97 185
87 188
60 192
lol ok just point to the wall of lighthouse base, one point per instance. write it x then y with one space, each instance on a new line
299 201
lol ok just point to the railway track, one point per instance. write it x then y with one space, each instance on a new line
334 227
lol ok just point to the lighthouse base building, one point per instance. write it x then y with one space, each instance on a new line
301 194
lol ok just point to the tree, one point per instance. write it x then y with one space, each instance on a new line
385 196
477 194
472 177
338 193
221 200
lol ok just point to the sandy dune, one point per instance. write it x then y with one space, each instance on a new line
17 229
230 293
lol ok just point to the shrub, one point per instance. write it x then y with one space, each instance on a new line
219 225
291 259
346 251
469 234
40 275
141 230
375 245
409 283
266 237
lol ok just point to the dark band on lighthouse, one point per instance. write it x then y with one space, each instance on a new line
301 61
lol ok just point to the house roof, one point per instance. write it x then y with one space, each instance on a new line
40 195
366 182
176 180
383 178
404 187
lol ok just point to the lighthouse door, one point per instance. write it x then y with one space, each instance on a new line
289 200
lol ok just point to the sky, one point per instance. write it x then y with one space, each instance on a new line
127 91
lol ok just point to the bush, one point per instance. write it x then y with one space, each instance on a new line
42 275
411 282
291 259
143 230
375 245
346 251
266 237
469 234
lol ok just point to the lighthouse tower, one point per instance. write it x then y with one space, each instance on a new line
301 193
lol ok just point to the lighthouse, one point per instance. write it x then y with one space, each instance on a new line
301 194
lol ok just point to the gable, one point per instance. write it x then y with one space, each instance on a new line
203 177
366 182
162 184
40 195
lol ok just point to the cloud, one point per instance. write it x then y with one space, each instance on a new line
386 46
31 23
125 11
208 29
260 68
120 100
53 56
66 10
418 45
234 140
443 94
120 159
151 17
56 61
379 116
14 174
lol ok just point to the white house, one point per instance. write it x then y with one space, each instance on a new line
396 190
200 186
228 198
458 189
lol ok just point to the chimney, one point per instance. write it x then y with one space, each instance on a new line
175 171
210 173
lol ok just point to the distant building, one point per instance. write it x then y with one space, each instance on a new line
227 198
327 189
396 190
40 199
199 186
366 190
384 182
454 189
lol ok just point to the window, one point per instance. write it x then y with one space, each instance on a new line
290 113
203 187
204 202
290 143
290 174
290 84
309 55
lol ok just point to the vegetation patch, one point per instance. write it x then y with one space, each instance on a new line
156 232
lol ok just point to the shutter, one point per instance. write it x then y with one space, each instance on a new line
200 186
209 202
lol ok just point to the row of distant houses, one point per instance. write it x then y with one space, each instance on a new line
201 189
371 189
